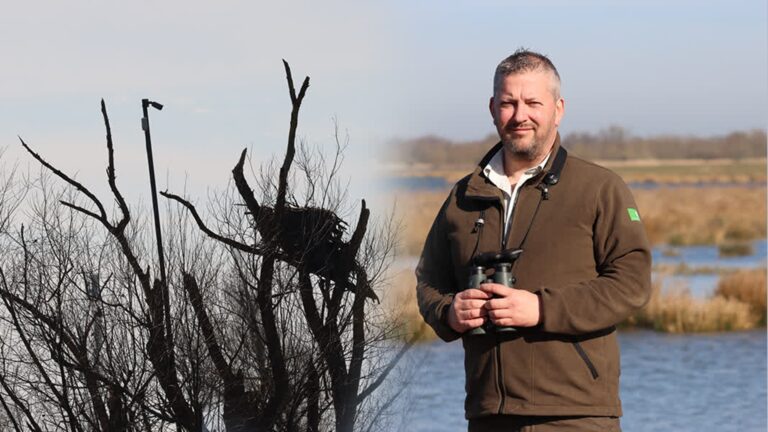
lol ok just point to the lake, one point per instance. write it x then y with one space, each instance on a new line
693 382
702 382
703 285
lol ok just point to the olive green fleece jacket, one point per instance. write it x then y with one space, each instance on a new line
586 257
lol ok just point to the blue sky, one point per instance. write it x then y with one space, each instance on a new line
395 69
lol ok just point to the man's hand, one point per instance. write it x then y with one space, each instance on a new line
510 306
467 310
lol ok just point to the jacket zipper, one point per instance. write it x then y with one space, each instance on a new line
587 360
508 224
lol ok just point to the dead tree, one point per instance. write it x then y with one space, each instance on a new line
125 397
332 285
274 334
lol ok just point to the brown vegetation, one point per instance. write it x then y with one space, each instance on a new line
674 216
747 286
695 216
401 300
738 304
689 171
417 210
677 311
729 217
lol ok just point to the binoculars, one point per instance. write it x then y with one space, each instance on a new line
502 266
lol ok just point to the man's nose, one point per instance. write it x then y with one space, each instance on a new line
521 113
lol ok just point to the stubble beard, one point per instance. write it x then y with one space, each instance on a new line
523 153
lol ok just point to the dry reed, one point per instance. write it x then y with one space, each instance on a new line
401 301
739 304
678 312
675 216
691 216
746 286
417 211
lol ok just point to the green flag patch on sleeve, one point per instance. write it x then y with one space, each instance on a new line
633 214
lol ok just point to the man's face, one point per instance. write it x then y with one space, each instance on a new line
527 114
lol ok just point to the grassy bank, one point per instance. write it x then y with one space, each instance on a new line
728 217
724 216
687 171
672 171
739 303
401 300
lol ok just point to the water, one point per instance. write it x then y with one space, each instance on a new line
694 382
422 183
703 382
704 285
708 256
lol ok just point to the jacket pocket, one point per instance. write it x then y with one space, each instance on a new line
584 356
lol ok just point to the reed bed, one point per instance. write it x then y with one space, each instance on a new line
401 301
690 171
739 303
660 171
730 217
676 311
417 211
746 286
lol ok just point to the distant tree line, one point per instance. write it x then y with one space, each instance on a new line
613 143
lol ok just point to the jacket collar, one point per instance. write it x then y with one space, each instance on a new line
480 187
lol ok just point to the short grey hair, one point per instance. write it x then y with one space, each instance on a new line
524 60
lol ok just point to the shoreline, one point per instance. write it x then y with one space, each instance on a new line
737 302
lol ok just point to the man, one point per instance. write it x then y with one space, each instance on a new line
585 267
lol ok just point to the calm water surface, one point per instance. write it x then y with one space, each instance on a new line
704 285
709 382
693 382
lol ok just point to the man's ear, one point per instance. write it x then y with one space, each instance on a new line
490 108
559 110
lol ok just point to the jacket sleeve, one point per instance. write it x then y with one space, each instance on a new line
623 260
435 280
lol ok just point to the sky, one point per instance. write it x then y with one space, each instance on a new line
380 71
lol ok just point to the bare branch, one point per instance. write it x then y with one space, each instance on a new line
111 173
229 242
69 180
211 342
359 234
81 210
291 150
21 405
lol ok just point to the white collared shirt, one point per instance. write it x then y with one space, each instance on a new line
494 171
